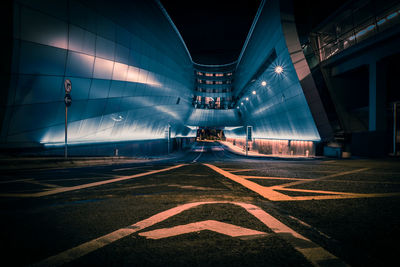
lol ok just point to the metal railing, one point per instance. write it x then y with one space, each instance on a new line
353 25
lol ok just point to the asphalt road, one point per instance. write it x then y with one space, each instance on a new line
208 208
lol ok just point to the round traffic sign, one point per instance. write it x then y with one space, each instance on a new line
67 86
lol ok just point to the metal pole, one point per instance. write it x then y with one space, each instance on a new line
66 133
247 143
394 127
169 137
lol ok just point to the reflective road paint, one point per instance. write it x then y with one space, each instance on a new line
215 226
83 186
311 251
271 193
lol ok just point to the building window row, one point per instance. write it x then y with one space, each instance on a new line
211 74
213 82
207 102
214 90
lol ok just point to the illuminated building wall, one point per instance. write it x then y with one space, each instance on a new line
132 76
273 103
131 73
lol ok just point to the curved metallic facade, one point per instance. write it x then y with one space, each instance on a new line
277 108
133 77
131 73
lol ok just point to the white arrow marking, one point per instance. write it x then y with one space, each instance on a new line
219 227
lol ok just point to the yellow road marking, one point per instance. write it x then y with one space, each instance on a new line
271 178
270 192
311 251
262 190
212 225
83 186
324 177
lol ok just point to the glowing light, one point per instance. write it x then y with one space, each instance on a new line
381 21
254 92
263 83
394 14
241 104
278 69
247 99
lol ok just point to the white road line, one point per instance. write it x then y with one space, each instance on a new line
125 169
201 153
311 251
83 186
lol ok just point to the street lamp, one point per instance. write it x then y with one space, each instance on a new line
278 69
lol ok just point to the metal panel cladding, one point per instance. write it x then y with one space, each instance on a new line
127 63
271 98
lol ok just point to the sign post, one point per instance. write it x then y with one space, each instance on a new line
249 137
68 102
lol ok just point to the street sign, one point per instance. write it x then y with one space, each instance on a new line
67 86
249 133
67 100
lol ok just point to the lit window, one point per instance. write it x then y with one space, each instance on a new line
219 74
199 73
209 82
218 82
229 74
199 81
209 74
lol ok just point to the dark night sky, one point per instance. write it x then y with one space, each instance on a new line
215 31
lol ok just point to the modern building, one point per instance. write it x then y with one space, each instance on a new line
134 81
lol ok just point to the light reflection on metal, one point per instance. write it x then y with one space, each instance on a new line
117 118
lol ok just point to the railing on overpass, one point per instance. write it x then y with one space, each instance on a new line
354 23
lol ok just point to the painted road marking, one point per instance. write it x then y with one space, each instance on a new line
242 170
271 192
325 177
42 184
311 251
125 169
215 226
261 190
83 186
271 178
201 153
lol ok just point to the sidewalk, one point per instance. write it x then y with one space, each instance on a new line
254 154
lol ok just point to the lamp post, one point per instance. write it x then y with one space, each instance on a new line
249 137
68 102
